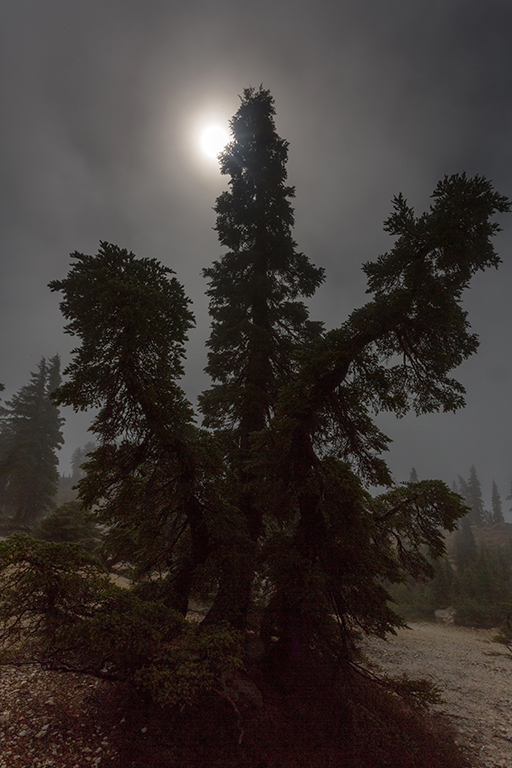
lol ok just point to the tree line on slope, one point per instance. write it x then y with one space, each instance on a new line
471 492
475 579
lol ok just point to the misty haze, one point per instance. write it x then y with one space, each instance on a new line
255 458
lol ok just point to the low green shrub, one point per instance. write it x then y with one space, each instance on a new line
59 607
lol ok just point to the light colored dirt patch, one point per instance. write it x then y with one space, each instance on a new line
473 673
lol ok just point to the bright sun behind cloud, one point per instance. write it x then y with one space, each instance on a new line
213 140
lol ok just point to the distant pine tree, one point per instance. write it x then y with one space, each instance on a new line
442 584
474 499
497 513
413 477
464 545
509 497
463 488
78 458
30 435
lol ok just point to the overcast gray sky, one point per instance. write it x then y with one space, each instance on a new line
102 103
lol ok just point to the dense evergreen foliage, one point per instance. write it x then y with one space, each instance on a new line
150 476
30 435
265 514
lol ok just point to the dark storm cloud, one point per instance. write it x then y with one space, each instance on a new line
100 102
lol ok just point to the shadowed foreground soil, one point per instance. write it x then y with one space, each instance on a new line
70 721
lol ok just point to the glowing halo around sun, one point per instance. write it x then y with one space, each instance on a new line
213 140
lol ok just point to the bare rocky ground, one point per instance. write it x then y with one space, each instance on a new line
474 675
72 721
53 719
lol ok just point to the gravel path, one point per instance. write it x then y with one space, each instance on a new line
474 675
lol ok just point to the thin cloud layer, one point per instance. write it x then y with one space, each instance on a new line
101 104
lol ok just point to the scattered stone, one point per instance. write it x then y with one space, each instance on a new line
445 616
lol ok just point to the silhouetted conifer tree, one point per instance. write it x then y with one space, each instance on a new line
273 508
150 475
259 319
